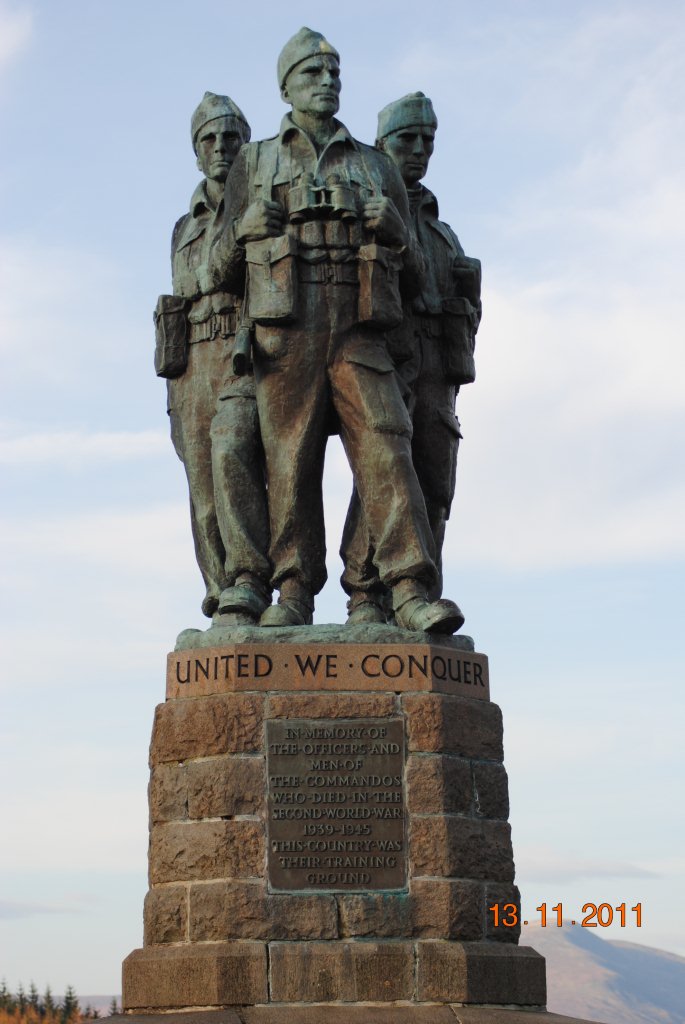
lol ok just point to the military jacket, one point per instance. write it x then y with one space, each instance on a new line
285 169
190 247
447 305
441 248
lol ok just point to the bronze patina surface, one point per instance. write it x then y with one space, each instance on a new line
302 257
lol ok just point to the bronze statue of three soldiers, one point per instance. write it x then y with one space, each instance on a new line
316 291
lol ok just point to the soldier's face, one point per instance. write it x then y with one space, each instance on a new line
410 148
313 86
217 147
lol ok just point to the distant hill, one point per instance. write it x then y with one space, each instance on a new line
609 981
101 1003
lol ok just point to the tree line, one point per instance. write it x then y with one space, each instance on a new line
30 1007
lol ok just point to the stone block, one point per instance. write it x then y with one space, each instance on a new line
491 790
438 784
331 705
165 915
206 850
345 1013
375 915
496 1015
445 909
226 724
480 972
434 908
502 896
438 723
227 910
168 793
449 666
212 974
451 846
346 971
225 786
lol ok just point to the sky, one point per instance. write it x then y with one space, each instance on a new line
559 162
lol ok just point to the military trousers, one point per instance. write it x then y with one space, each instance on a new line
215 431
326 365
435 444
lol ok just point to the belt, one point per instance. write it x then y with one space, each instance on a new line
221 324
328 273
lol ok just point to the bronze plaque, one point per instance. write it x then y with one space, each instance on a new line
336 804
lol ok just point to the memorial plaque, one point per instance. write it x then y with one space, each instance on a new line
336 804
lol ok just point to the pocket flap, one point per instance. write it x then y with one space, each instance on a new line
458 306
270 250
169 304
370 355
373 253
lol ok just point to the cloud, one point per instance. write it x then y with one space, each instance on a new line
101 577
136 541
570 453
540 864
115 837
13 911
67 339
81 447
16 25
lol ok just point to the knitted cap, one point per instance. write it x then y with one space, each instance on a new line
415 108
213 106
303 44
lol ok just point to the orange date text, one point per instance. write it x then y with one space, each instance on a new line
593 915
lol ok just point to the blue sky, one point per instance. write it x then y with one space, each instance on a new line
559 162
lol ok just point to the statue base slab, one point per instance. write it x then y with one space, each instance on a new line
346 1013
360 971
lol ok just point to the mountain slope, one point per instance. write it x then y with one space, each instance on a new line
611 982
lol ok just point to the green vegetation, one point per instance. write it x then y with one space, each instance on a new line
32 1008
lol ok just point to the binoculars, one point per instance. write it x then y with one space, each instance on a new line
308 201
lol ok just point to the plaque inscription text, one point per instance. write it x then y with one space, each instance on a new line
336 804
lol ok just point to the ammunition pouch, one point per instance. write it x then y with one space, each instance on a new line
328 273
171 336
466 277
379 286
459 325
217 325
272 276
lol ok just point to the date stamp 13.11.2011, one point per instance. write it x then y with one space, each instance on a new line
593 915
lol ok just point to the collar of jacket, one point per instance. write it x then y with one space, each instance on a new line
428 211
341 134
428 203
199 201
196 221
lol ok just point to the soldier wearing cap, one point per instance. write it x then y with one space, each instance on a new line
323 226
214 422
433 350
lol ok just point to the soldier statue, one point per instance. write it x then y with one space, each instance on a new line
318 231
432 349
214 422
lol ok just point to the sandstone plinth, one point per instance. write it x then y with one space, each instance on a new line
329 827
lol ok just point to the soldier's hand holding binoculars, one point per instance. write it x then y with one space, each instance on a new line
262 219
381 216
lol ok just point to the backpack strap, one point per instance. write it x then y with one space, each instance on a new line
261 164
